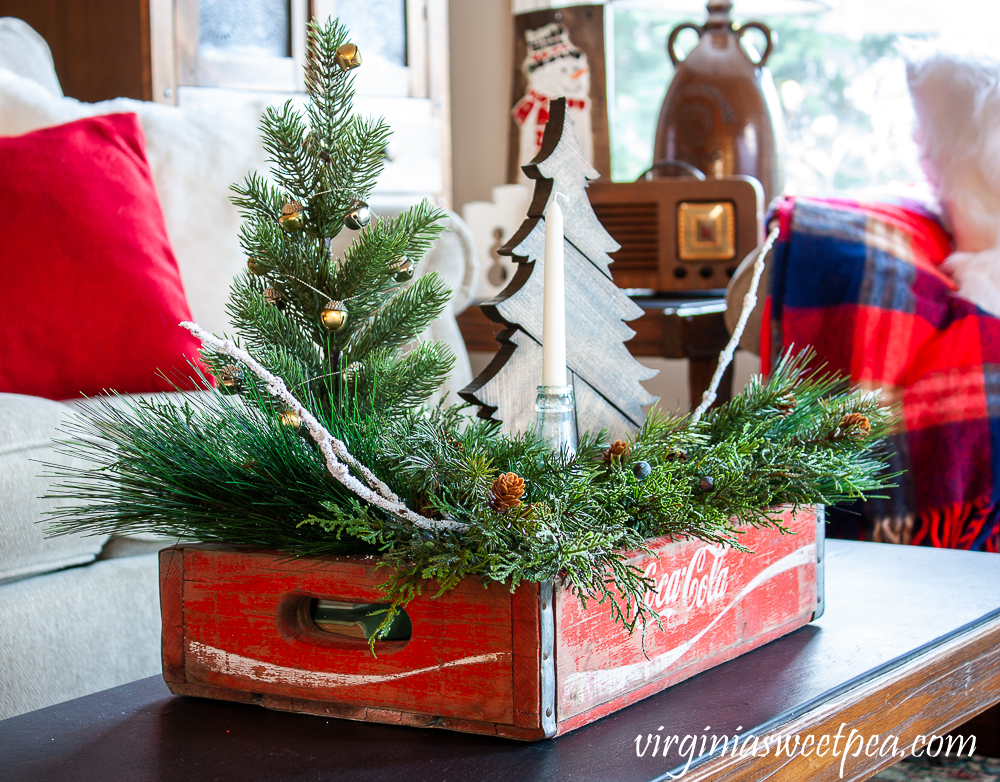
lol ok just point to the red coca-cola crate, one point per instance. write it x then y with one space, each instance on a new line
239 625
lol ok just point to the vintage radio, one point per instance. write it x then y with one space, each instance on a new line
680 234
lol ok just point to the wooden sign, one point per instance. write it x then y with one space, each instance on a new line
238 626
559 53
605 376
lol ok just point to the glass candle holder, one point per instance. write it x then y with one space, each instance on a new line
555 410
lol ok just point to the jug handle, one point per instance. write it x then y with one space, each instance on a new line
687 168
767 37
677 31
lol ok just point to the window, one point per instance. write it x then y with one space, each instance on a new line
839 68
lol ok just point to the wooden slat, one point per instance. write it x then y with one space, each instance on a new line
320 708
526 662
656 334
215 693
699 338
172 613
162 52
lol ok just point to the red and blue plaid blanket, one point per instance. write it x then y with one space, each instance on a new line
861 283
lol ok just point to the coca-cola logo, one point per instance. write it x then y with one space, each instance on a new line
702 582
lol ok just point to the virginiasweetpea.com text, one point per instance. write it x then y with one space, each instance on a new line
845 743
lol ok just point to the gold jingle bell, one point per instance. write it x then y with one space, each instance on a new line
291 420
333 315
230 379
272 297
352 370
348 57
403 269
358 215
292 217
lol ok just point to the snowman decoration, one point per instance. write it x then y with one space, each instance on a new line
555 68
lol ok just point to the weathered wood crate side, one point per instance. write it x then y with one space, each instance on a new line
714 604
236 626
246 627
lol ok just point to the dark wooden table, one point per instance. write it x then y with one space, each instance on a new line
687 326
909 644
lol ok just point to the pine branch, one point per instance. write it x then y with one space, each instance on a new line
357 161
396 385
365 275
255 198
411 312
338 458
330 90
264 325
294 169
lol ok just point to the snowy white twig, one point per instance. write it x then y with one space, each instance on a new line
749 302
335 452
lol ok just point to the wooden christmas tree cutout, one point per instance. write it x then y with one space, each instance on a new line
605 376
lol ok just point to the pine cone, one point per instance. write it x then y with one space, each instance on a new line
855 425
619 450
680 456
506 492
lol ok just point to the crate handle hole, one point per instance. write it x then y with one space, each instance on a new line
340 623
358 620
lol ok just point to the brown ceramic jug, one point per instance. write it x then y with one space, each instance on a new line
720 115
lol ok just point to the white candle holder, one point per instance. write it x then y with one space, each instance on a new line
555 409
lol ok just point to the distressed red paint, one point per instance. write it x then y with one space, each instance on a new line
236 627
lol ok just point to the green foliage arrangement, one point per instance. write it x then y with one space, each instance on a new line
225 466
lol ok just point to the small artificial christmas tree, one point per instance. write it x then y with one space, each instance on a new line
605 376
319 322
326 349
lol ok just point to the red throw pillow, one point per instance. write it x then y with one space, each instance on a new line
91 295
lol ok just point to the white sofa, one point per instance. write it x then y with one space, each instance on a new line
81 614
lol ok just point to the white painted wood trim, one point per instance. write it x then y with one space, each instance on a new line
162 52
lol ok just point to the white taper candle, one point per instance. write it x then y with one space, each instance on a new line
554 301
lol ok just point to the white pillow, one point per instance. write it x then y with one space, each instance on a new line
25 52
957 102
